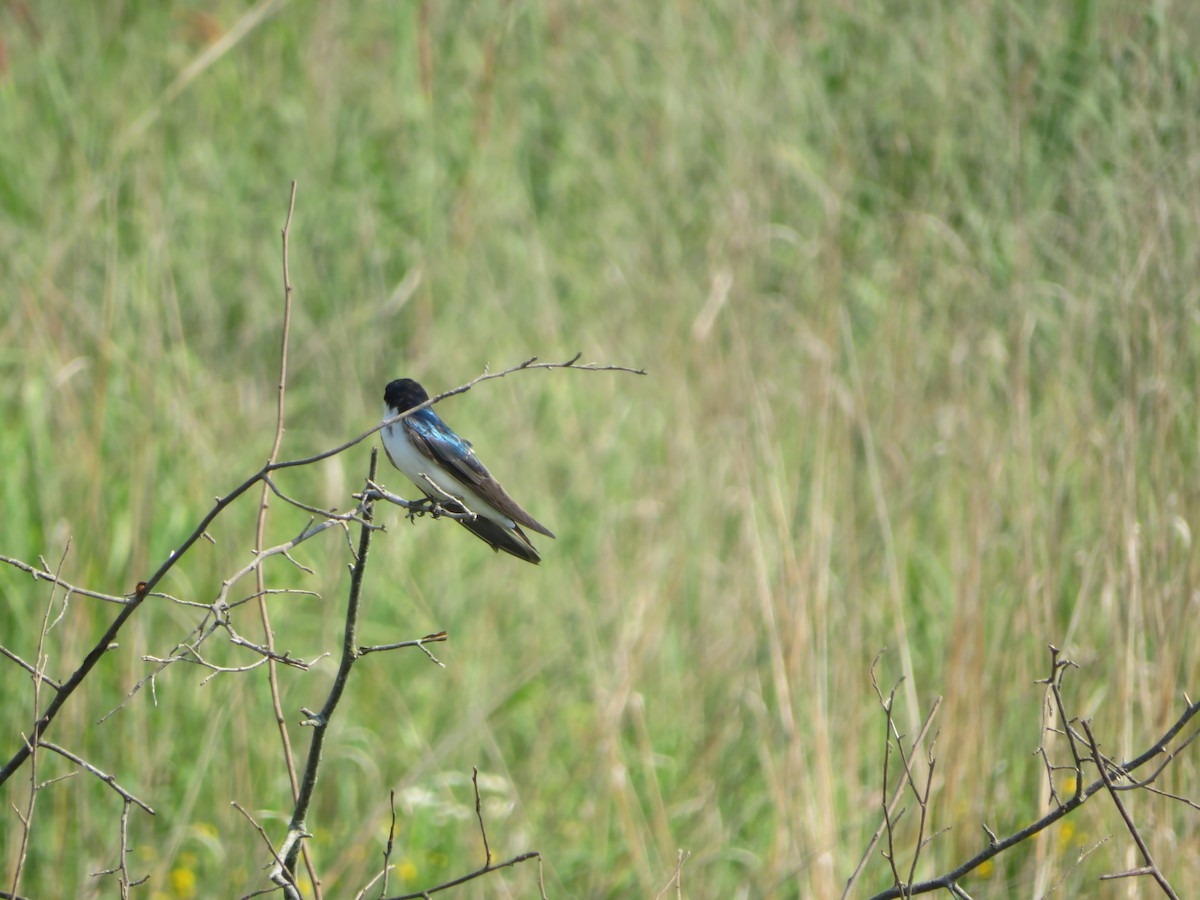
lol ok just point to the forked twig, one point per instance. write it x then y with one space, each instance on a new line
121 870
1151 867
31 743
996 845
146 588
297 829
260 529
43 574
889 808
110 780
262 833
218 617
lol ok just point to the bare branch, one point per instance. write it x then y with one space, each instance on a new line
471 876
949 880
890 816
146 588
419 642
530 363
487 851
425 506
890 853
110 780
268 650
30 743
923 803
31 669
387 853
1151 867
1153 776
331 515
891 810
43 574
1058 668
268 592
297 829
265 838
121 870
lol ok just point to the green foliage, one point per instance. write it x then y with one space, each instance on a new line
915 286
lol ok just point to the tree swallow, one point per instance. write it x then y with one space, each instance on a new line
445 468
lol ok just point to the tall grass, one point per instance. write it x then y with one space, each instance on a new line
916 287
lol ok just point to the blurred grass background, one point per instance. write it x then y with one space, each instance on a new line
917 289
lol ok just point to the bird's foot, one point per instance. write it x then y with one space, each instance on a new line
424 506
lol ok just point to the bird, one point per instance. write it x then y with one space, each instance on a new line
444 466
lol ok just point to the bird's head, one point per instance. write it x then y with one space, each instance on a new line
403 394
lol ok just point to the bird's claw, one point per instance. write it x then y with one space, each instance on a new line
425 506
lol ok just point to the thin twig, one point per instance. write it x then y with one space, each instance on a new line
387 851
997 846
530 363
890 853
43 574
219 610
471 876
110 780
923 803
146 588
31 742
419 642
1058 669
261 831
1151 866
297 829
890 809
328 514
487 866
487 851
121 870
28 667
1153 776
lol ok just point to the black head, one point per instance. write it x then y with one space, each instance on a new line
403 394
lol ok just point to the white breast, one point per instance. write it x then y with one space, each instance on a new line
414 465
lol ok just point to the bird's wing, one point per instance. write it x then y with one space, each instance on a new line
510 540
437 441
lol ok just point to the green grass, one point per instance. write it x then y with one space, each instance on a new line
916 290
